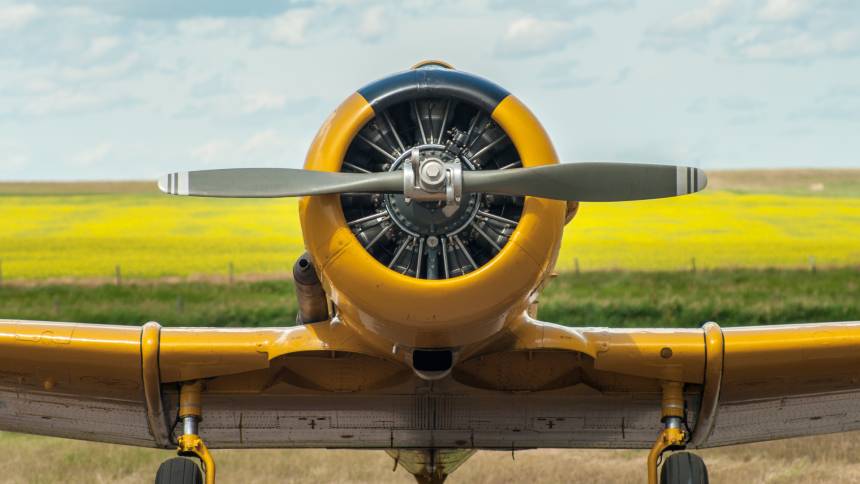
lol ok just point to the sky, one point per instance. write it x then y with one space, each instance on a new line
112 89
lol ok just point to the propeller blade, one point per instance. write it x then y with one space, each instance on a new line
589 182
276 182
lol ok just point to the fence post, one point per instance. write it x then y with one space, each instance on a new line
576 264
118 276
812 268
230 271
180 304
1 272
693 264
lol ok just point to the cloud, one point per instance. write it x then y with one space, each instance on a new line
261 141
291 26
263 101
796 46
742 104
99 46
171 9
211 151
530 36
568 7
373 24
783 10
202 26
68 101
714 12
92 155
563 75
14 157
102 71
15 17
690 27
622 75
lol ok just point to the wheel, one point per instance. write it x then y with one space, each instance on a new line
684 468
179 471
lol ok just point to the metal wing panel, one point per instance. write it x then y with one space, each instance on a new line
104 382
787 381
73 380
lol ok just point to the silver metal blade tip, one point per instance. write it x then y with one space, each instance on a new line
174 183
702 178
162 183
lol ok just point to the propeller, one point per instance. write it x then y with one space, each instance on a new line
589 182
586 182
276 182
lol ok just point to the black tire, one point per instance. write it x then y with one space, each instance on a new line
179 471
684 468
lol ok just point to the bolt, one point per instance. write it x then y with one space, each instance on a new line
432 242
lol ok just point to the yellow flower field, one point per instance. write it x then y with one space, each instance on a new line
151 235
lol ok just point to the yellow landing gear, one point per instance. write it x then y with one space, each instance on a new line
184 471
682 467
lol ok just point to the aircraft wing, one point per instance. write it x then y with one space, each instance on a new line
117 384
318 385
783 381
743 384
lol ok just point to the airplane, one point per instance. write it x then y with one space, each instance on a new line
432 209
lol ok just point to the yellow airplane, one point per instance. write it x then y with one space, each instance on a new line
432 210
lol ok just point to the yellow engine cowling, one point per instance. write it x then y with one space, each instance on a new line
394 309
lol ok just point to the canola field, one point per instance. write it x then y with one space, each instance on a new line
78 232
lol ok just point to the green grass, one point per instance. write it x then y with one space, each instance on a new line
666 299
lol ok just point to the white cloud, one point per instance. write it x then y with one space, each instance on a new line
373 23
690 27
798 46
202 26
92 155
11 161
261 141
291 26
66 101
783 10
100 46
211 151
15 17
263 101
531 36
102 71
701 18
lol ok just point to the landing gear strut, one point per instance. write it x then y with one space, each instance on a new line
179 470
683 467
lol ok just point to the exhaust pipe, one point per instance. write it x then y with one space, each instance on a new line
313 305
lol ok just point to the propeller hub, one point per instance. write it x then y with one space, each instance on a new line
432 174
430 205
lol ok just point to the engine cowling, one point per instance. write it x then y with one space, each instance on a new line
428 273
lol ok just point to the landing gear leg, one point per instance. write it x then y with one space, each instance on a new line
184 471
682 467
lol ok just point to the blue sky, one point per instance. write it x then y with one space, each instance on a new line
118 90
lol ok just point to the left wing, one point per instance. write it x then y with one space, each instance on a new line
111 383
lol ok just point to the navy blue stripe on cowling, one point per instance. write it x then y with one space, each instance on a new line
428 83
